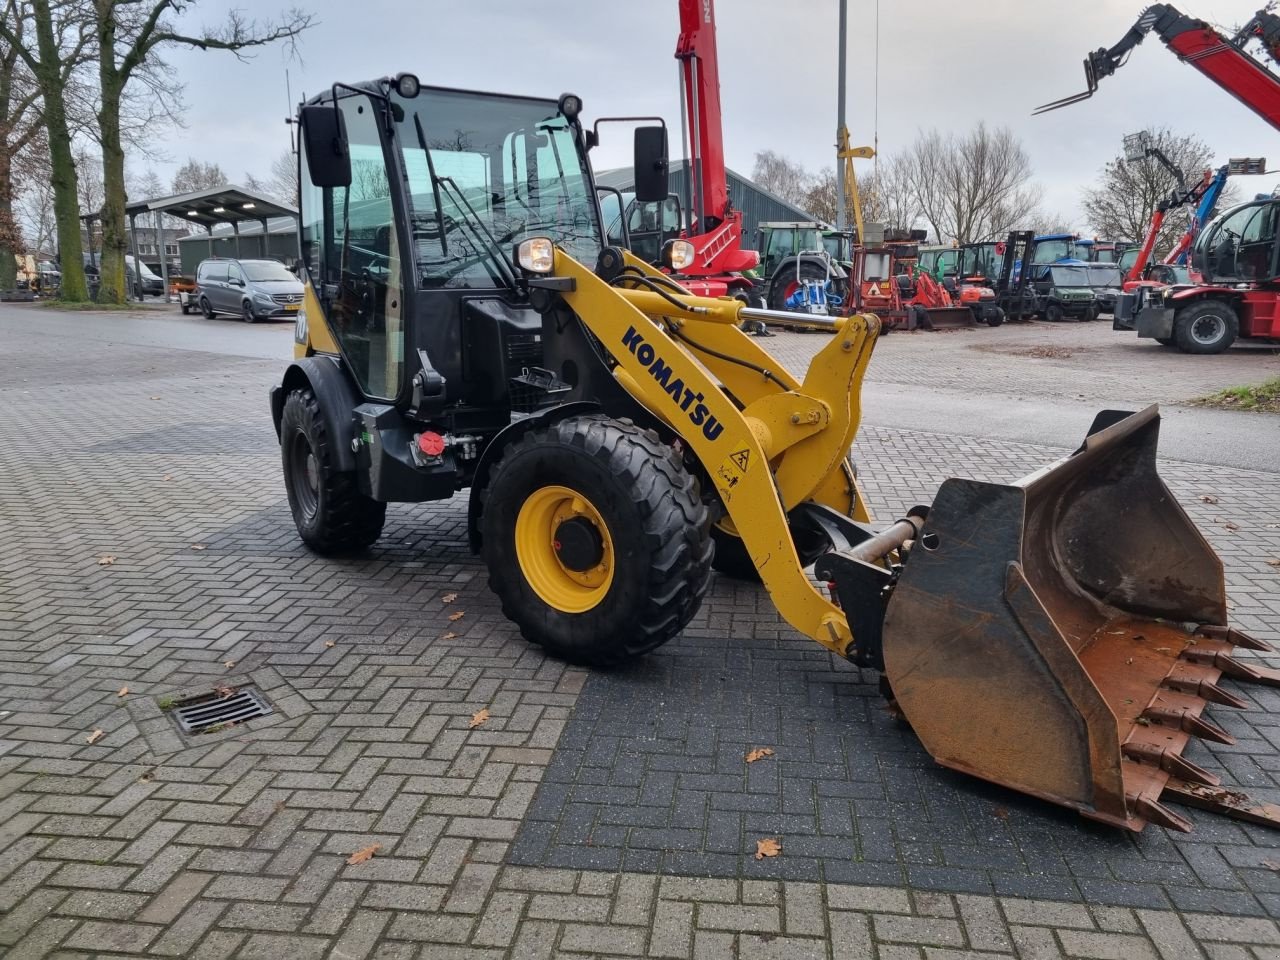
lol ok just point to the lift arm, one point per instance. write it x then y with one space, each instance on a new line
717 228
1223 60
1207 192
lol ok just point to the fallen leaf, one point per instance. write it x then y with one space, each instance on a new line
94 737
147 776
449 598
124 692
1228 525
457 616
477 718
1271 864
106 560
328 643
768 847
167 477
448 636
759 754
1274 563
1001 813
198 546
1209 498
229 664
223 690
279 806
363 854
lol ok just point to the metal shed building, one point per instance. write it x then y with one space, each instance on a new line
282 243
757 204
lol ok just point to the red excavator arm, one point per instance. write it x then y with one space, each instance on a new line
717 228
1224 60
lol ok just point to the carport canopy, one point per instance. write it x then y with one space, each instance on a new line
208 208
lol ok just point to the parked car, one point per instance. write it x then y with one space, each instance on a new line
150 284
1106 280
250 289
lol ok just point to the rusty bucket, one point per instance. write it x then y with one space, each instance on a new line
1063 634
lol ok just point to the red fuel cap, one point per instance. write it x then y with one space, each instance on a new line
431 443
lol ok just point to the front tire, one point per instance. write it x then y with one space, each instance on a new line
246 313
596 540
1053 313
1209 326
330 512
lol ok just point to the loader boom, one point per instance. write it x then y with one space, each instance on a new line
1224 60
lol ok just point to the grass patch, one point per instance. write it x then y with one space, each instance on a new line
84 305
167 703
1263 396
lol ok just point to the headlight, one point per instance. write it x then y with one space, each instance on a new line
678 254
536 255
262 297
300 327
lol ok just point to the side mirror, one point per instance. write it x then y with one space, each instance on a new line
324 137
651 164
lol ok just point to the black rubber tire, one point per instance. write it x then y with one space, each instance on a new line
1165 341
809 269
332 516
733 560
185 309
246 312
995 318
1054 314
1186 320
1093 313
655 517
206 309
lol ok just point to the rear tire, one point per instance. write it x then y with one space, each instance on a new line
206 308
1209 326
633 504
785 282
332 515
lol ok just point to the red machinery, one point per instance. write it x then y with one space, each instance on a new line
1241 292
716 231
1224 60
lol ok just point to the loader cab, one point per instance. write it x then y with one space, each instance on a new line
413 199
648 226
1239 246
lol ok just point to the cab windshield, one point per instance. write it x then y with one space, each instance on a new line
1104 275
1047 251
1070 276
485 173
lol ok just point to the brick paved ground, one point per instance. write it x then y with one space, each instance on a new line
593 815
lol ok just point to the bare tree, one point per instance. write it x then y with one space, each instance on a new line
971 187
131 33
1120 207
781 176
821 198
193 176
34 206
283 184
887 196
52 39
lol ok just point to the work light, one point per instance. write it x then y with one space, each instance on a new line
536 255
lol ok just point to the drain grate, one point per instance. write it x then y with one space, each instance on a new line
214 711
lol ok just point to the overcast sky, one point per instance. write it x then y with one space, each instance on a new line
941 64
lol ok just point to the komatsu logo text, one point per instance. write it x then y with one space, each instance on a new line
688 401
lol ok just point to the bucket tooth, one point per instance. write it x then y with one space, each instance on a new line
1170 762
1156 812
1230 803
1188 722
1237 638
1236 669
1201 681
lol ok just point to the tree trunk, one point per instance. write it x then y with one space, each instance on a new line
114 236
10 236
62 165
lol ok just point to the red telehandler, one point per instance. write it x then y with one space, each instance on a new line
711 261
1236 253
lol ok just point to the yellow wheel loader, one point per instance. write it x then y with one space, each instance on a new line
467 325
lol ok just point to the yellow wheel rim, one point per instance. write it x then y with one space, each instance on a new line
539 551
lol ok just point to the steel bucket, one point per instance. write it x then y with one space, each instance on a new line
1061 635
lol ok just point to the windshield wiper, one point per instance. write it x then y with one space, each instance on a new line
474 220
